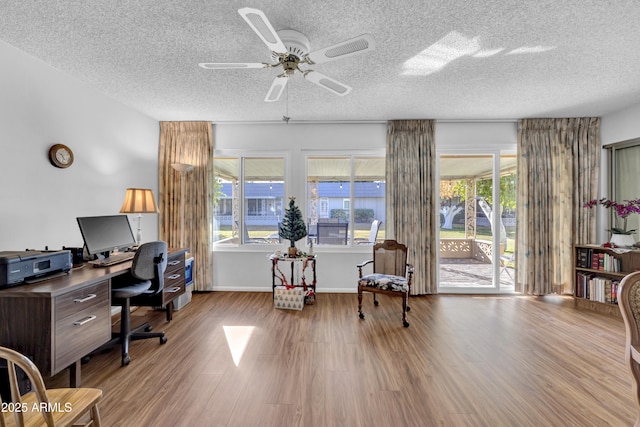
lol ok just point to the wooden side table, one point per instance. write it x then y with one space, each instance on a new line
278 278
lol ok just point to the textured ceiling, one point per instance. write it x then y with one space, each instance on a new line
448 60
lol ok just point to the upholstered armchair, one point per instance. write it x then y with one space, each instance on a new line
391 276
629 303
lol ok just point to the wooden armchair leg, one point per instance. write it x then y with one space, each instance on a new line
360 313
405 297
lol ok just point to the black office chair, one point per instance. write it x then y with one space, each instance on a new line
145 280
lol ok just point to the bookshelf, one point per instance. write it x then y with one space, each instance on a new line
598 272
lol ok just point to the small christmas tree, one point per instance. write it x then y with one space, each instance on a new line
292 227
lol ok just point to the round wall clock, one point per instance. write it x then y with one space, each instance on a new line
60 156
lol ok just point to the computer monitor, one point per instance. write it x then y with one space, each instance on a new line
103 234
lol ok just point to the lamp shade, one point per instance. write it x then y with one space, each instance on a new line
139 200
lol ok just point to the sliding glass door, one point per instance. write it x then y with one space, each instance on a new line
477 222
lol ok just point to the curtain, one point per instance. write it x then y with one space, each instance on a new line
558 167
411 197
188 143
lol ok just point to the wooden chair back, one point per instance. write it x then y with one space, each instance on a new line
42 407
390 257
629 304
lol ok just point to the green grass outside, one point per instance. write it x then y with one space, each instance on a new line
457 232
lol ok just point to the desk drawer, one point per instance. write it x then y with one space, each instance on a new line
80 333
174 263
173 285
80 299
83 323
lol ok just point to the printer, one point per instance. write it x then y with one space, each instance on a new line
18 267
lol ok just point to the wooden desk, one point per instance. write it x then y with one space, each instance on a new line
58 321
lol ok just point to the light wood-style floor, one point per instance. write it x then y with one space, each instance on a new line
464 361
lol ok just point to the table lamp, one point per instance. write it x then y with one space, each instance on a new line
139 200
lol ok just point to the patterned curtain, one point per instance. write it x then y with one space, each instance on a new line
190 143
558 167
411 197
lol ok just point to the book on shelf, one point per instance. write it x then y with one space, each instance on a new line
598 260
596 288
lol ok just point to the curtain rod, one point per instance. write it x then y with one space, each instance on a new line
273 122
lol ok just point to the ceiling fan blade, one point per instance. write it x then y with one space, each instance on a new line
353 46
327 83
276 88
231 65
259 23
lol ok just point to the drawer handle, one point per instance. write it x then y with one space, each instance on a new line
173 276
174 262
85 299
172 290
84 320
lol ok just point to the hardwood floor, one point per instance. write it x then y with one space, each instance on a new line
464 361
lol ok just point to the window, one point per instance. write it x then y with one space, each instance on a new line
624 169
249 197
345 190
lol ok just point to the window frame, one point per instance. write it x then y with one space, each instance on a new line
241 156
352 155
295 184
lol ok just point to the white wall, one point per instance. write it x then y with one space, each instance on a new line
115 147
620 125
248 268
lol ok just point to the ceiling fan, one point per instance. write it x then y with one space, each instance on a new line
289 50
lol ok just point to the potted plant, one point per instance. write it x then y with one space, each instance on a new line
620 236
292 227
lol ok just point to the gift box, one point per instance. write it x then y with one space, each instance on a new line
309 297
289 298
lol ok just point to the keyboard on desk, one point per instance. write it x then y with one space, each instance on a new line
113 259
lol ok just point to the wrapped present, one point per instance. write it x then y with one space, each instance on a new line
309 297
288 297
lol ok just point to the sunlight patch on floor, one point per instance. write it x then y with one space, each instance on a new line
238 339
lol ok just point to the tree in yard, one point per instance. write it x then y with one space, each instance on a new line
448 191
292 227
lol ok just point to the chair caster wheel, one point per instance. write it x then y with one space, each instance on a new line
408 308
405 324
376 303
361 315
163 340
148 328
126 360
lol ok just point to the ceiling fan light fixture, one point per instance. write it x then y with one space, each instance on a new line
297 44
289 49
